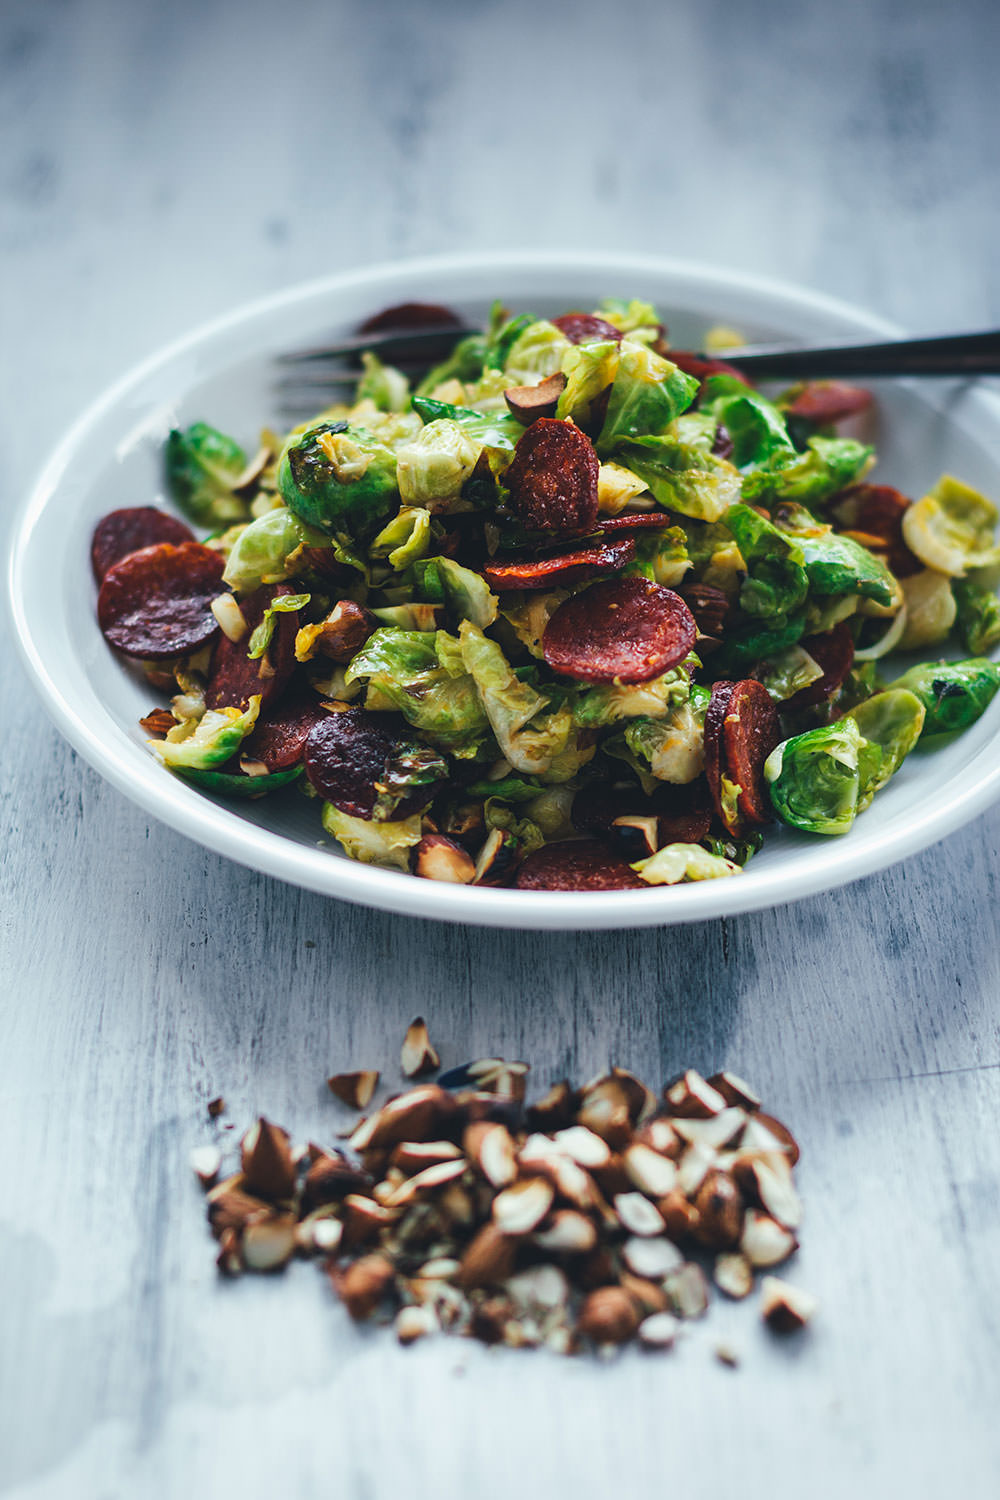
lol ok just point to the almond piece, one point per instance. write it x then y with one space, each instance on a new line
268 1168
688 1290
735 1091
268 1244
206 1162
608 1315
638 1216
691 1097
521 1208
583 1146
648 1170
764 1241
492 1149
568 1233
362 1285
414 1323
354 1089
418 1056
785 1308
733 1274
488 1259
652 1258
658 1331
720 1212
528 402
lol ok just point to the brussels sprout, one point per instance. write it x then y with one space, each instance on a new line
281 604
776 581
209 741
648 392
788 671
756 427
682 476
565 765
529 738
952 528
698 429
953 693
550 811
491 430
339 479
537 352
385 843
675 863
434 466
930 609
525 831
407 769
858 685
674 747
813 778
616 486
203 466
529 615
404 670
661 556
606 703
230 784
740 851
638 319
405 539
263 551
840 565
514 789
589 369
467 594
387 387
741 648
890 725
978 612
828 465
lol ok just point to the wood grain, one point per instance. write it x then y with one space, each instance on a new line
163 163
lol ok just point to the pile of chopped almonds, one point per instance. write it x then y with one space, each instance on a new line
592 1216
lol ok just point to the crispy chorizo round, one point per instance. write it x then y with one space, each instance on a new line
235 677
125 531
552 479
346 754
750 732
156 603
279 738
834 652
624 629
577 865
558 572
587 328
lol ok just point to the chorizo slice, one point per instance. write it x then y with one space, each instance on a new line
875 512
587 328
624 629
552 479
345 758
577 865
701 368
715 717
129 530
558 572
750 732
235 677
278 740
823 402
646 520
156 603
834 652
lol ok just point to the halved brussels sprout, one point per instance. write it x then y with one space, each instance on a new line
978 610
203 466
616 486
813 778
382 384
776 581
387 843
930 609
208 742
405 539
529 614
952 528
675 863
528 737
839 565
537 352
787 672
230 784
263 551
890 724
432 468
339 479
606 703
682 476
589 369
674 747
647 393
404 670
756 427
953 693
467 594
828 465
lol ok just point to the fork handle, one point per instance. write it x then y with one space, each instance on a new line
968 354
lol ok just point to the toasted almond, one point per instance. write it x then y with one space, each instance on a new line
691 1097
693 1168
727 1355
491 1146
268 1244
568 1233
648 1296
783 1134
680 1218
604 1109
216 1107
735 1091
418 1056
659 1331
653 1258
414 1323
268 1168
362 1285
720 1212
327 1234
776 1193
733 1274
785 1308
688 1290
330 1178
363 1218
424 1182
441 1268
354 1089
521 1208
412 1116
438 857
554 1110
488 1258
608 1315
764 1241
649 1171
717 1132
638 1215
540 1287
230 1257
234 1209
583 1146
414 1156
206 1162
660 1136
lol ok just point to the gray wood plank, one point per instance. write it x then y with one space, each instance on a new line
160 164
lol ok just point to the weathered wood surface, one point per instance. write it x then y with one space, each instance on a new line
162 162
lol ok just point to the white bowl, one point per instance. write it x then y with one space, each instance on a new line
223 373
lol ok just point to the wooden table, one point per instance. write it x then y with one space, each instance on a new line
161 163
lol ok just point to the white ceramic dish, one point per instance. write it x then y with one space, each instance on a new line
223 372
